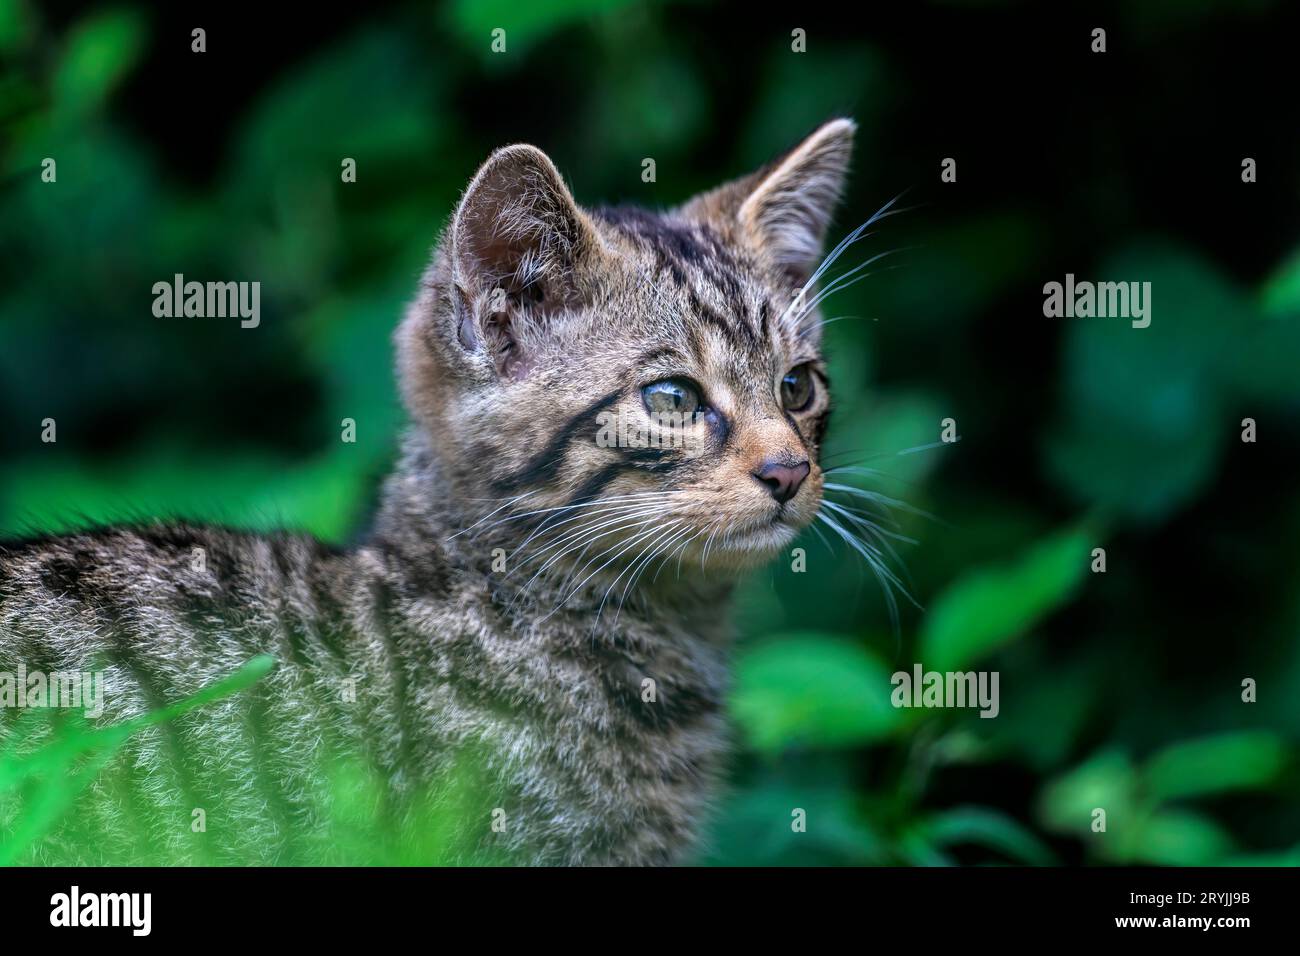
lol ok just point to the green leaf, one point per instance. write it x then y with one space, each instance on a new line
311 118
253 671
990 607
1106 781
1281 292
1237 761
753 827
1178 838
986 827
813 690
100 52
1138 831
15 25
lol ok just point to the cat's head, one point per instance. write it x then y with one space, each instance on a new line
643 383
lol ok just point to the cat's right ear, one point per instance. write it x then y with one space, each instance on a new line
519 248
784 209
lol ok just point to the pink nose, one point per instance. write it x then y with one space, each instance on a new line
782 481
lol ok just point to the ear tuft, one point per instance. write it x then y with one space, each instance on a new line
789 210
784 209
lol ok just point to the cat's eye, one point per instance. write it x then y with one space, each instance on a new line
672 395
797 388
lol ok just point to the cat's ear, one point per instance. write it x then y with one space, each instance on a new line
784 209
519 247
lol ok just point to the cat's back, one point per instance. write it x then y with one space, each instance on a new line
176 589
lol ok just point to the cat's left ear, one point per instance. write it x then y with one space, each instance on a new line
784 209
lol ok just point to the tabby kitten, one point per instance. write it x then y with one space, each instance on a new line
614 413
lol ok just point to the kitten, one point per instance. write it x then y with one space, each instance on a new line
531 591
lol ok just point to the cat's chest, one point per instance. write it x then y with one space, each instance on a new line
613 736
645 672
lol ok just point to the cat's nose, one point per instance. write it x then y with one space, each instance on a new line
782 480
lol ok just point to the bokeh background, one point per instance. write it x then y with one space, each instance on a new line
1119 690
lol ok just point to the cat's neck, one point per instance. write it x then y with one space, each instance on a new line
422 521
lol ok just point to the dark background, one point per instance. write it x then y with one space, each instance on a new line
1119 691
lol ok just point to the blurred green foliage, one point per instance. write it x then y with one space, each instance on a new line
46 789
1119 690
39 786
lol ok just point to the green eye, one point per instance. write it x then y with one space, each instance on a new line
797 388
671 395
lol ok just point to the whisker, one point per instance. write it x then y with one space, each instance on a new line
591 529
629 544
582 544
877 498
508 503
800 298
655 549
830 259
571 507
886 578
840 283
606 507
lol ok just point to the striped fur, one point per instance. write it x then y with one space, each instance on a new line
554 607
